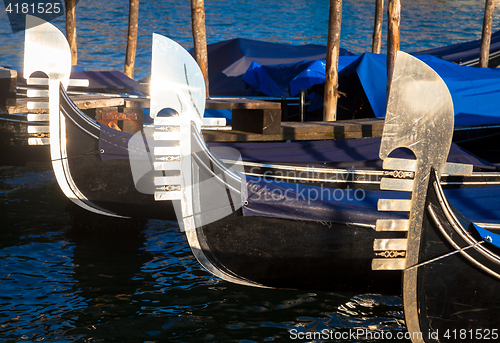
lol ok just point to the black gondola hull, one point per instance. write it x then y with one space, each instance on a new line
284 253
458 299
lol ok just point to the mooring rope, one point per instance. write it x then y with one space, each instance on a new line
444 256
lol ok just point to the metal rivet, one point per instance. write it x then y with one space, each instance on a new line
101 151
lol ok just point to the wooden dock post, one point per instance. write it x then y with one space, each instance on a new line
377 26
133 27
200 37
332 61
70 6
484 53
393 37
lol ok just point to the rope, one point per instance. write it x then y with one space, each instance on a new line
80 155
444 256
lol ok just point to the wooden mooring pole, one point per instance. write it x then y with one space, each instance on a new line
484 54
393 37
133 28
332 61
70 8
200 37
377 26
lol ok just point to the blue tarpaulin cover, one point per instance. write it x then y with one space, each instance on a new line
275 199
228 61
463 52
338 153
475 91
488 236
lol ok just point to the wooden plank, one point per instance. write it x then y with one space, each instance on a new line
297 131
82 101
257 121
242 104
341 126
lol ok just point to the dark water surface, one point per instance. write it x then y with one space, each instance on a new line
68 276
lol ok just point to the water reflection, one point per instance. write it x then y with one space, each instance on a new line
102 26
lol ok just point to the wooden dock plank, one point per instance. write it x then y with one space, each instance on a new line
241 104
296 131
82 101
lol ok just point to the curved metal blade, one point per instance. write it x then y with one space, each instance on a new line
419 113
46 49
176 81
419 117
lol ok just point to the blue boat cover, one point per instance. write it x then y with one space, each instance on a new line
475 91
269 198
463 52
229 60
340 153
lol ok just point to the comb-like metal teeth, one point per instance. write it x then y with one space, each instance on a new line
388 264
400 164
39 129
405 185
457 169
38 141
393 205
38 117
168 158
176 165
392 225
37 105
37 81
175 195
167 180
167 136
170 150
34 93
390 244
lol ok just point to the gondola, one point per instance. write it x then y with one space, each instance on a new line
241 228
450 265
451 291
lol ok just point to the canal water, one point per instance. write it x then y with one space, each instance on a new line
69 276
